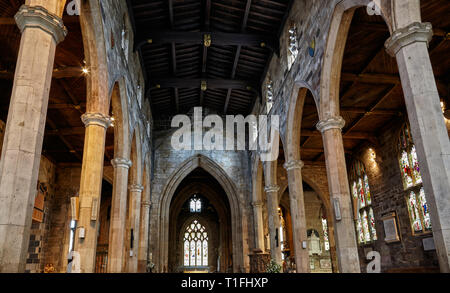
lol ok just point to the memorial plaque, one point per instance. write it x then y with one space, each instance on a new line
390 228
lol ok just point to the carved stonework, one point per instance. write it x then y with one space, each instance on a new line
39 17
415 32
272 189
136 188
146 204
96 119
121 163
259 262
292 165
331 123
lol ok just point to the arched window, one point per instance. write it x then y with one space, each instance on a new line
195 205
195 245
412 183
362 204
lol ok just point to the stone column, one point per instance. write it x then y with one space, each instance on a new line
344 227
143 236
24 134
135 217
409 46
298 217
259 226
274 222
90 189
118 215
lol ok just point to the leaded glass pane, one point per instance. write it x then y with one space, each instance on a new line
186 252
367 190
195 245
425 210
365 224
414 213
415 164
361 196
372 224
406 170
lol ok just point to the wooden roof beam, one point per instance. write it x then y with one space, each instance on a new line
196 83
197 38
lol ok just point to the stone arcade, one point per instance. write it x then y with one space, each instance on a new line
88 175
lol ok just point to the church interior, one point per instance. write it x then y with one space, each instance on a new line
90 181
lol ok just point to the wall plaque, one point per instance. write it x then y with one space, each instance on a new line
390 228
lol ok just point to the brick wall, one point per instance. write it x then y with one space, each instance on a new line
389 196
40 230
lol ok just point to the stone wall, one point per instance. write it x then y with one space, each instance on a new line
389 196
166 161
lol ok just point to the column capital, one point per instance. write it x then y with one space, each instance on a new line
272 188
136 188
331 123
256 204
96 119
39 17
293 165
415 32
121 163
146 204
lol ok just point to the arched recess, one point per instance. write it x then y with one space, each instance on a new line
258 203
119 111
97 100
334 52
233 197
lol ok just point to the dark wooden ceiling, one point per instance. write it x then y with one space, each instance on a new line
244 34
371 96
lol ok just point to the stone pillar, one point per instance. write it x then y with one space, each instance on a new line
143 236
22 146
135 217
118 215
344 227
274 222
90 189
259 226
409 46
298 217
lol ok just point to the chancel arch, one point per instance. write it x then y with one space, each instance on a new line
233 198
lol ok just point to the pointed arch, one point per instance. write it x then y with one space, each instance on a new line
233 197
334 52
97 100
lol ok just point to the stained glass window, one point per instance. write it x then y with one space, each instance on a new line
325 234
419 213
195 245
362 204
293 45
195 205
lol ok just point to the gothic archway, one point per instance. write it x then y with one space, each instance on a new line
232 195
